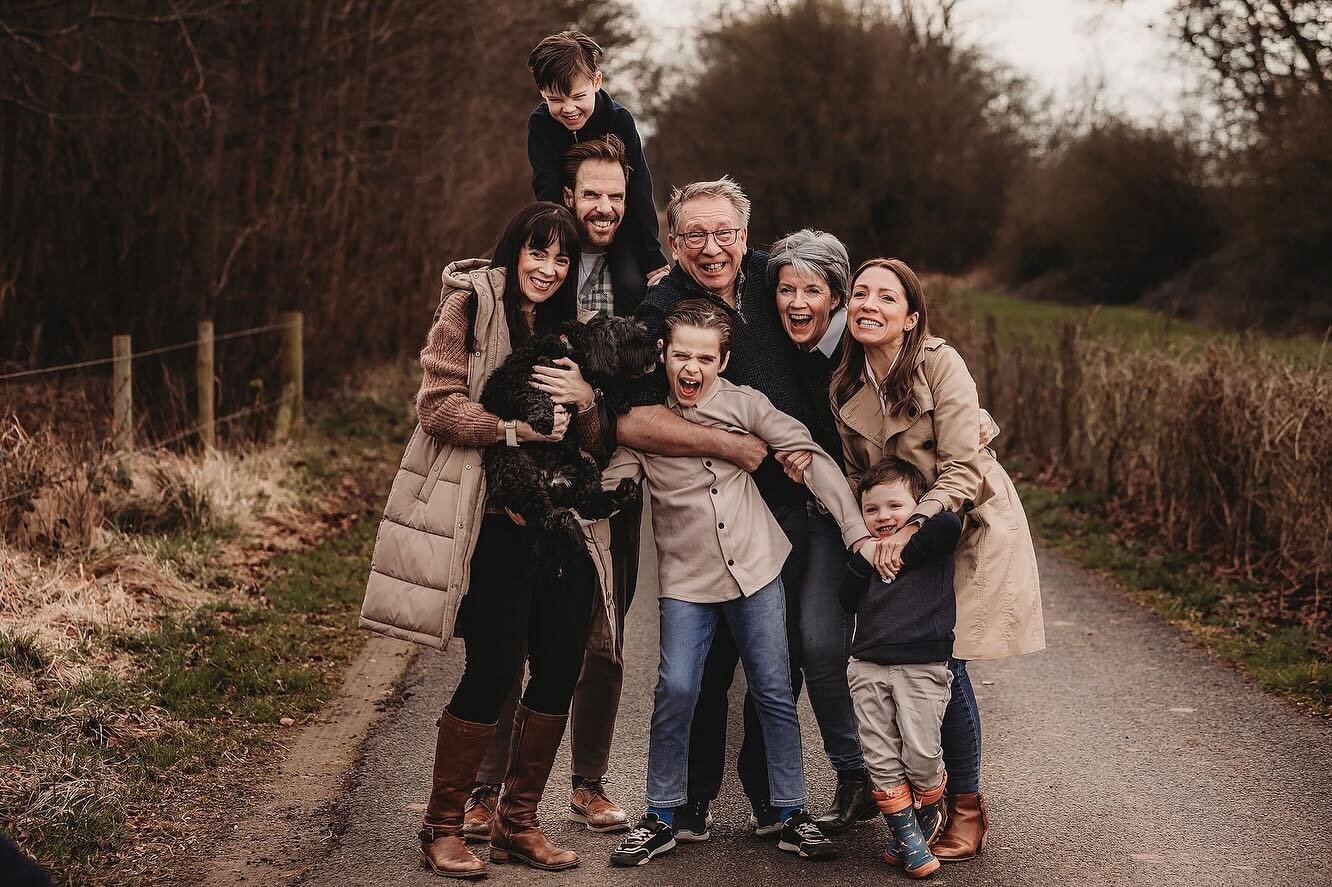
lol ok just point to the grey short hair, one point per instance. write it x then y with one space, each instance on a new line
814 252
725 187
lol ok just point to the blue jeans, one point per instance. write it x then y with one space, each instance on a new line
961 734
758 625
825 634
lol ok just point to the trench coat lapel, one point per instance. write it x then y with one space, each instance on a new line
863 414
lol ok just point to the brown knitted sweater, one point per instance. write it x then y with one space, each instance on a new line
444 409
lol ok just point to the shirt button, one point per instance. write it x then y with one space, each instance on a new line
721 526
714 491
707 462
467 468
730 563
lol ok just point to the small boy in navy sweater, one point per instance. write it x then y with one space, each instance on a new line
574 107
898 674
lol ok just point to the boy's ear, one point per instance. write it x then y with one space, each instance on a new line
661 349
568 197
596 81
726 358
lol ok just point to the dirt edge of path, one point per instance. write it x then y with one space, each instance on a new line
284 823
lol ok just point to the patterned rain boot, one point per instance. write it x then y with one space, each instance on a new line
896 807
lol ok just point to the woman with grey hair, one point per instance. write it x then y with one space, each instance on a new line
811 273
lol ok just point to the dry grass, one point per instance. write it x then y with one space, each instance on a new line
1223 454
159 613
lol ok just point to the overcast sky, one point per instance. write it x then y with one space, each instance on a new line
1063 45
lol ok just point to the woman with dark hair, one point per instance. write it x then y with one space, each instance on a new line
447 560
897 391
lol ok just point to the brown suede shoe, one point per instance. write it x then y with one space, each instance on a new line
458 752
515 832
967 831
478 811
590 805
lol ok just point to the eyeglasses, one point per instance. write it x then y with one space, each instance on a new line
697 239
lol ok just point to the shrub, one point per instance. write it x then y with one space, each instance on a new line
1108 216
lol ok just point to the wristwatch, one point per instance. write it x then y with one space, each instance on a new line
511 432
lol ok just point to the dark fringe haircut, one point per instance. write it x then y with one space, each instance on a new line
889 469
559 58
538 224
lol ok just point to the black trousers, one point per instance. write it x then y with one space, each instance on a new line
512 605
707 738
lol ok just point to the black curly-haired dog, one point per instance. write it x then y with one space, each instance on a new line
547 482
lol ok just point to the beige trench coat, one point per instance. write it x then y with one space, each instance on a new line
421 565
996 580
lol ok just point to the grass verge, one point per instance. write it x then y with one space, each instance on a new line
1220 613
1021 320
111 739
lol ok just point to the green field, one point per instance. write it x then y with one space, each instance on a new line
1039 322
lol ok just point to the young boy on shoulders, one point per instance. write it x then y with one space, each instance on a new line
898 674
720 556
574 107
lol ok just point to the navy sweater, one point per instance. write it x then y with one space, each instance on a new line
548 139
762 357
909 620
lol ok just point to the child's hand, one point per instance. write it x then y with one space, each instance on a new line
890 549
872 551
794 463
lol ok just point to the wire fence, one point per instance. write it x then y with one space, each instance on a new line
165 349
288 423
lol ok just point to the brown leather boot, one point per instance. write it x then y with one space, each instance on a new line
515 833
967 831
458 752
478 811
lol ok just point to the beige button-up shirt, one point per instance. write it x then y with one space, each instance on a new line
716 539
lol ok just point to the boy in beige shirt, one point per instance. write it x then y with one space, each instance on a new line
720 556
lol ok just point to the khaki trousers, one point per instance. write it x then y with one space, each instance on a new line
900 708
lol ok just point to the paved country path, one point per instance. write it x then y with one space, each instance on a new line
1122 755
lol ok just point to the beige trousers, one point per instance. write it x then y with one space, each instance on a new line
900 708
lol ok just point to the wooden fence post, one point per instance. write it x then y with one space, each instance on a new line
122 395
291 415
204 374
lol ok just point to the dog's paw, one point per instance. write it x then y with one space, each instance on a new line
627 491
563 520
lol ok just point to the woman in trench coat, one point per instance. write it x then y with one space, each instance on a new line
898 391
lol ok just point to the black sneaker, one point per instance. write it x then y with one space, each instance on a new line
693 822
801 836
766 819
651 837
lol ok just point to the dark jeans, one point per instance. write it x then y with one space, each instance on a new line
707 738
507 612
961 734
596 698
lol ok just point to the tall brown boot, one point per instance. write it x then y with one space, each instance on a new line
967 831
458 751
515 833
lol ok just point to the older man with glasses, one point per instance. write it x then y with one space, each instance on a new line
708 224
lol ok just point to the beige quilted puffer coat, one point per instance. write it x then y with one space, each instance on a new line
422 559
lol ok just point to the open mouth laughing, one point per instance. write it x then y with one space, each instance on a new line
688 388
800 321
